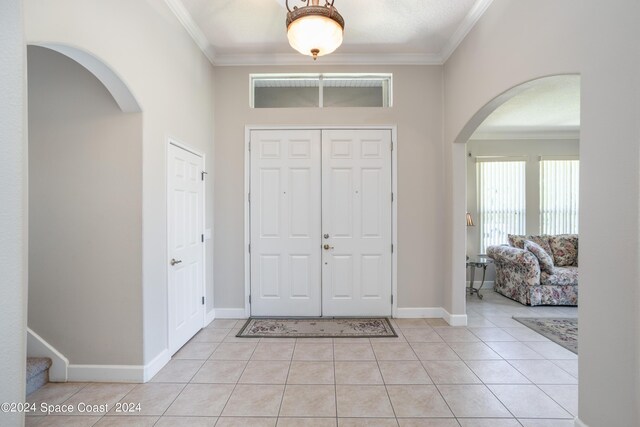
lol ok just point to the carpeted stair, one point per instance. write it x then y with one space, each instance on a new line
37 373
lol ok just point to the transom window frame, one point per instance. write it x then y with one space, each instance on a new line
385 78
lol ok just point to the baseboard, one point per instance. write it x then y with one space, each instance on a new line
230 313
209 317
106 373
488 284
119 373
158 362
454 319
579 423
420 312
38 347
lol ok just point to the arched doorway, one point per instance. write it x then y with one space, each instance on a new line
85 208
459 169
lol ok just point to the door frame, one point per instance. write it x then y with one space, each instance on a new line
176 143
394 203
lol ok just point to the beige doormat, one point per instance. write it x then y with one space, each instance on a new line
317 327
562 331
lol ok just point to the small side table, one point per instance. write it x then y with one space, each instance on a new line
481 261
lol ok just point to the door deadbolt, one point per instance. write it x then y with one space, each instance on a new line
326 236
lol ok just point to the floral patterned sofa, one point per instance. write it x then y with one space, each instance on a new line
519 276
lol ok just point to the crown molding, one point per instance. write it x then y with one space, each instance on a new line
185 18
469 21
536 134
477 10
333 59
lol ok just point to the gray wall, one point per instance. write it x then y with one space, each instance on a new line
417 111
13 209
85 216
532 150
514 42
172 80
609 311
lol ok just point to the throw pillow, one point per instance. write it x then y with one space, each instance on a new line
564 248
517 241
544 259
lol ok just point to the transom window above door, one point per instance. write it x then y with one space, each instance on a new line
320 90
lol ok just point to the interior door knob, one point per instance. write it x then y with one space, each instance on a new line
174 261
327 247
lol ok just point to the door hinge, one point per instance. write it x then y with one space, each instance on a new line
249 145
391 299
249 197
249 247
202 174
202 238
202 300
392 248
249 299
391 145
392 197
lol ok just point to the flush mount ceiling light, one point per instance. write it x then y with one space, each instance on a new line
314 29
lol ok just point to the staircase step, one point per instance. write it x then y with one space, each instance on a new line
37 373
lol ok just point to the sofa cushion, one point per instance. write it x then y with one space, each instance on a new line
564 248
544 259
517 241
562 276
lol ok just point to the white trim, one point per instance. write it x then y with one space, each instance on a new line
419 313
454 319
488 284
247 225
231 313
106 373
579 423
196 33
176 143
158 362
111 81
467 24
38 347
241 59
232 59
119 373
209 317
431 313
526 134
394 220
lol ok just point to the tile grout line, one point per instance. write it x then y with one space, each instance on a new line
236 383
284 390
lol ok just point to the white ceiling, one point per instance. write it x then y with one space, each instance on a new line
550 107
239 32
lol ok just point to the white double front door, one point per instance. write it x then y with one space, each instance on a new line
320 215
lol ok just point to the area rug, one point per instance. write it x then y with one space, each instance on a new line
562 331
314 327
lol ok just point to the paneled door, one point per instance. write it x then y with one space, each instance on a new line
285 223
185 192
356 222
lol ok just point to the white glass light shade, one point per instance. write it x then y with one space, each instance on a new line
315 32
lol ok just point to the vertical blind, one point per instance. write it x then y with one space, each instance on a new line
559 196
501 200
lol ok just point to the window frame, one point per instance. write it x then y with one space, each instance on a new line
385 78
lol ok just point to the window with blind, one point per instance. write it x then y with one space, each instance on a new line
559 180
501 199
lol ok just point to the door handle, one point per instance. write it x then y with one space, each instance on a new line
174 261
327 247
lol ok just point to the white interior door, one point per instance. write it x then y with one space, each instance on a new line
285 223
185 235
356 222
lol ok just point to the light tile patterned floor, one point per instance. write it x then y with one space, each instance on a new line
493 373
